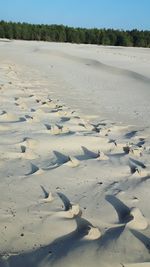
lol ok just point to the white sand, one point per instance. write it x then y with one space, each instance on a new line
75 155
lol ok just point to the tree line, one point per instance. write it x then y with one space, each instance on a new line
61 33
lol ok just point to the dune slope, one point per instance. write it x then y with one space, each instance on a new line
75 155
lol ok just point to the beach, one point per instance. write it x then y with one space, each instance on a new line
75 155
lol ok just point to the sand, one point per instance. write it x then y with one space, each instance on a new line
75 155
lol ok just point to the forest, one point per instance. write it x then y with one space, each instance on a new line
61 33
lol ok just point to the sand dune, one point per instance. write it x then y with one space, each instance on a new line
75 155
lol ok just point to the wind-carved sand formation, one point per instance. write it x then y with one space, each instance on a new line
74 188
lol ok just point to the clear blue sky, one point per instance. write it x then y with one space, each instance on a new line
118 14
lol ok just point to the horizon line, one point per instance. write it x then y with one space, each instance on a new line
75 27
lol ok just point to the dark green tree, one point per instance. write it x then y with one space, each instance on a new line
61 33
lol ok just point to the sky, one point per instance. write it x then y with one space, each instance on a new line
117 14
